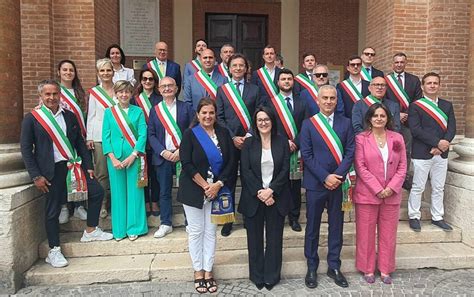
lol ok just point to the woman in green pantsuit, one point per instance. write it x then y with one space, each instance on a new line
123 142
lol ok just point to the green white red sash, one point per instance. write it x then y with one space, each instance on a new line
196 64
75 180
207 83
308 85
369 100
237 104
365 75
130 133
398 90
224 71
144 102
153 65
73 105
433 111
351 90
267 82
102 97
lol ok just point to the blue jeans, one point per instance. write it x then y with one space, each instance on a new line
164 176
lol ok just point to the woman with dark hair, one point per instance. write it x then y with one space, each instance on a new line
265 198
380 164
207 158
117 56
146 96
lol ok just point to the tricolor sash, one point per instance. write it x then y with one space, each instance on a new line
398 90
144 102
130 133
73 105
153 65
75 180
196 64
365 74
102 97
207 83
222 210
224 71
171 127
308 85
350 89
433 111
333 142
267 82
237 104
369 100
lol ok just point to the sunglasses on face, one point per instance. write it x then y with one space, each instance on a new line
319 75
355 64
370 54
148 79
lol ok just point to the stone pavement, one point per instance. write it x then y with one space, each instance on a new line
421 282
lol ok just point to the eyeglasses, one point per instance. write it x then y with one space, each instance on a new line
379 86
370 54
170 86
355 64
265 120
148 79
323 74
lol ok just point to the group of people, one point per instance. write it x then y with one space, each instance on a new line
346 144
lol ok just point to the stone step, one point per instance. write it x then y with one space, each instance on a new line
230 264
176 242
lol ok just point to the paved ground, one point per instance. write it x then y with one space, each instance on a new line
422 282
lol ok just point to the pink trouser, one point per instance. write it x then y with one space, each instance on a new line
384 217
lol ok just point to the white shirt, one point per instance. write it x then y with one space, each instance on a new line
291 99
330 119
124 73
310 75
435 101
59 117
271 72
162 63
267 167
357 84
384 152
95 118
241 86
402 77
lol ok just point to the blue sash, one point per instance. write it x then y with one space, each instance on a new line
222 210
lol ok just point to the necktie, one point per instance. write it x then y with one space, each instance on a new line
237 86
162 68
368 70
400 80
288 103
310 76
330 122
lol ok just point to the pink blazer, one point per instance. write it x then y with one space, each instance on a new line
370 171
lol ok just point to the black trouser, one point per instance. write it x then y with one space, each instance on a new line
295 190
407 138
57 196
265 264
152 191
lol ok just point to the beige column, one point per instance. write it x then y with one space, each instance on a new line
290 33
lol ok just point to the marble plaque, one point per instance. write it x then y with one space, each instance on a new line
139 26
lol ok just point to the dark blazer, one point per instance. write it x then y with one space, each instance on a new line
318 160
374 73
300 112
361 108
427 132
313 107
194 160
157 132
346 99
37 147
255 79
155 98
412 87
226 115
172 70
251 175
298 88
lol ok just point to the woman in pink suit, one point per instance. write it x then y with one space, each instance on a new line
380 164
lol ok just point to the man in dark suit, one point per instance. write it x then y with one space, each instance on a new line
368 71
236 120
166 67
433 126
47 165
198 84
308 64
325 170
298 112
266 87
403 88
165 145
227 50
353 88
377 88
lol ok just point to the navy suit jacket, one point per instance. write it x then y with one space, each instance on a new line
427 132
298 88
313 107
361 108
172 70
157 132
193 91
226 115
318 160
346 99
255 79
37 146
374 73
412 87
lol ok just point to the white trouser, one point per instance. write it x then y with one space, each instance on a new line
201 236
436 168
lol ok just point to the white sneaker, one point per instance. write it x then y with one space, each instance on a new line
56 258
96 235
64 215
80 213
162 231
